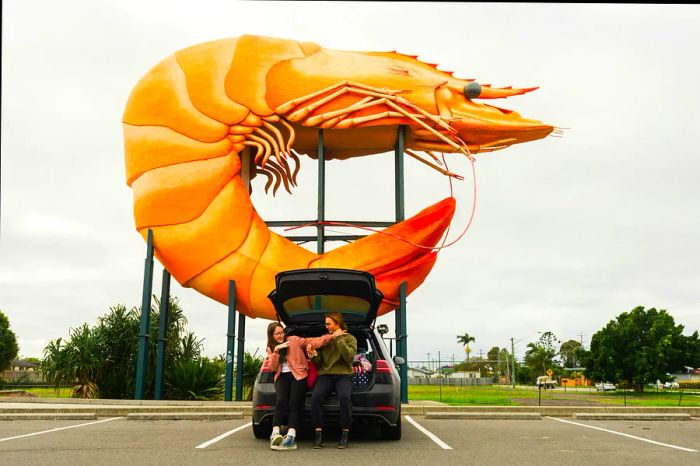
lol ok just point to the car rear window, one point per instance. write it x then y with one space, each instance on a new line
351 305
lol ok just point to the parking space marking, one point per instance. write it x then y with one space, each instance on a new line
624 435
429 434
60 428
222 436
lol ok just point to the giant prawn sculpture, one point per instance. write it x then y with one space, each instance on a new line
189 119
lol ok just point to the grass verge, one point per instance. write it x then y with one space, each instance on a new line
48 392
506 396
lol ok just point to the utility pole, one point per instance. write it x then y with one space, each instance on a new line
508 366
498 369
581 335
512 349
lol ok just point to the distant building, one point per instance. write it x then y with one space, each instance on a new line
690 375
465 375
418 372
22 365
23 371
574 382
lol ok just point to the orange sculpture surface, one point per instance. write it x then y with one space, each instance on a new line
189 120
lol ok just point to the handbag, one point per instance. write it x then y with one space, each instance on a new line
313 374
360 377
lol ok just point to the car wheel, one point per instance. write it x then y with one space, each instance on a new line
262 430
392 432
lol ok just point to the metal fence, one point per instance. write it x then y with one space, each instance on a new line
451 382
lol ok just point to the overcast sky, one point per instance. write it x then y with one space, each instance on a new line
568 233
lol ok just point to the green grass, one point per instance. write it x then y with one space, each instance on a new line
466 395
493 395
507 396
652 398
49 392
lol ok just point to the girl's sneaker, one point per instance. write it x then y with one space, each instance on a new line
289 443
275 441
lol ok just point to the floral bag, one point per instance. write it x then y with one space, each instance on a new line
361 369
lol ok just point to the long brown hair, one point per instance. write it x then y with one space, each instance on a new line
337 317
271 342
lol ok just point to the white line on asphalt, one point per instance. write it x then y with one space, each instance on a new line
430 435
224 435
624 435
59 428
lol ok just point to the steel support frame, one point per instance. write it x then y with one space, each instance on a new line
230 339
320 238
144 331
163 317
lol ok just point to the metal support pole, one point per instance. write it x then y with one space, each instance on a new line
498 369
397 326
512 349
398 174
142 357
441 374
402 341
320 233
230 337
239 359
162 334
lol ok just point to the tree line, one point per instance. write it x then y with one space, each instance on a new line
99 361
8 345
636 348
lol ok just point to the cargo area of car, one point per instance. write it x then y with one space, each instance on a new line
363 362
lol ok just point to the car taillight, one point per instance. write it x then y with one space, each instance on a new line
266 366
385 408
263 406
382 367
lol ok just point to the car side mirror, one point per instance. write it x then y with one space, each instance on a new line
398 360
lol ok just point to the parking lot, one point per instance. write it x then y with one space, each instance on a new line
116 440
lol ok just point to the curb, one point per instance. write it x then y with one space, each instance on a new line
126 410
180 416
485 415
632 417
107 407
47 416
556 411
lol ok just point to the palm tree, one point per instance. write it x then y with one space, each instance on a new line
77 362
465 340
251 366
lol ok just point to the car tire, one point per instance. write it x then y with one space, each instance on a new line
262 430
392 432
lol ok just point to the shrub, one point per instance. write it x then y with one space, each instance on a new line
194 380
251 367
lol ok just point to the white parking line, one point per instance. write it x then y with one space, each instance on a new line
222 436
59 428
430 435
624 435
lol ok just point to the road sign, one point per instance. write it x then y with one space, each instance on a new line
549 372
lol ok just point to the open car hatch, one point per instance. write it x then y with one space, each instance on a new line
302 297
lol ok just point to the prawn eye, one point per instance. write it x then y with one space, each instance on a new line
472 90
